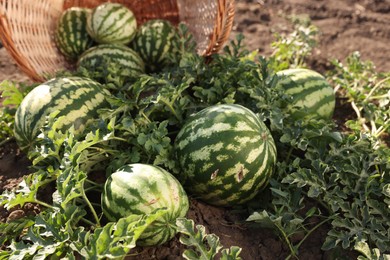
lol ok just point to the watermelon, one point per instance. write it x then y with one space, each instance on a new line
154 41
112 23
77 100
311 94
226 155
98 58
141 189
71 36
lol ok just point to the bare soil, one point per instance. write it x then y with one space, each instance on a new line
345 26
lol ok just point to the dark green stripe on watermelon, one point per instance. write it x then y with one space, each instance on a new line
155 41
226 154
114 30
77 100
112 23
118 58
71 36
141 189
311 93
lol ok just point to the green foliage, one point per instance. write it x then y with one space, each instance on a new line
58 231
206 246
369 254
367 91
344 181
11 95
292 50
323 177
115 239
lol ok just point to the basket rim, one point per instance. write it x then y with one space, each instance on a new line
221 30
9 45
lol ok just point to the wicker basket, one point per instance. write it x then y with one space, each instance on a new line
27 26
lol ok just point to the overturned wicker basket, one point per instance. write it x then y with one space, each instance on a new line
27 27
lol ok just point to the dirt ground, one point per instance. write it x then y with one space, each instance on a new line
345 26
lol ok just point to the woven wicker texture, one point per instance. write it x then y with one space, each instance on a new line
27 27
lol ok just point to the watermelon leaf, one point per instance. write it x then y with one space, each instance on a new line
367 90
206 246
49 235
292 50
115 239
11 95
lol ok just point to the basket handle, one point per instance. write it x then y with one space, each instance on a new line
6 39
223 26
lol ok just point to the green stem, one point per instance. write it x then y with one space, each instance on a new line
6 140
381 130
43 204
88 222
290 246
311 231
289 153
378 97
93 183
377 85
172 109
90 205
359 116
91 188
146 116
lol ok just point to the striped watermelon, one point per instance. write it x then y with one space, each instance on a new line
112 23
141 189
154 41
226 155
71 36
311 93
77 99
103 56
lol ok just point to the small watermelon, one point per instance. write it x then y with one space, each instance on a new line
112 23
311 94
103 56
154 42
77 100
141 189
226 155
71 36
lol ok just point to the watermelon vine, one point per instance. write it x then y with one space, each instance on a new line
322 176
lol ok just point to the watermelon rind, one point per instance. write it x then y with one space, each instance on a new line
112 23
71 35
76 99
226 155
138 189
154 42
98 58
311 94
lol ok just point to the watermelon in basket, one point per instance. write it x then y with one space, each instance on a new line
27 28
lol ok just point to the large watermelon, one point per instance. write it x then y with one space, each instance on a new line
311 93
226 154
76 98
71 36
112 23
141 189
155 41
101 57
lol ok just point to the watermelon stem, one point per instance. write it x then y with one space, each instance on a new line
360 118
7 140
289 153
93 211
94 184
293 250
87 221
370 97
308 234
169 105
